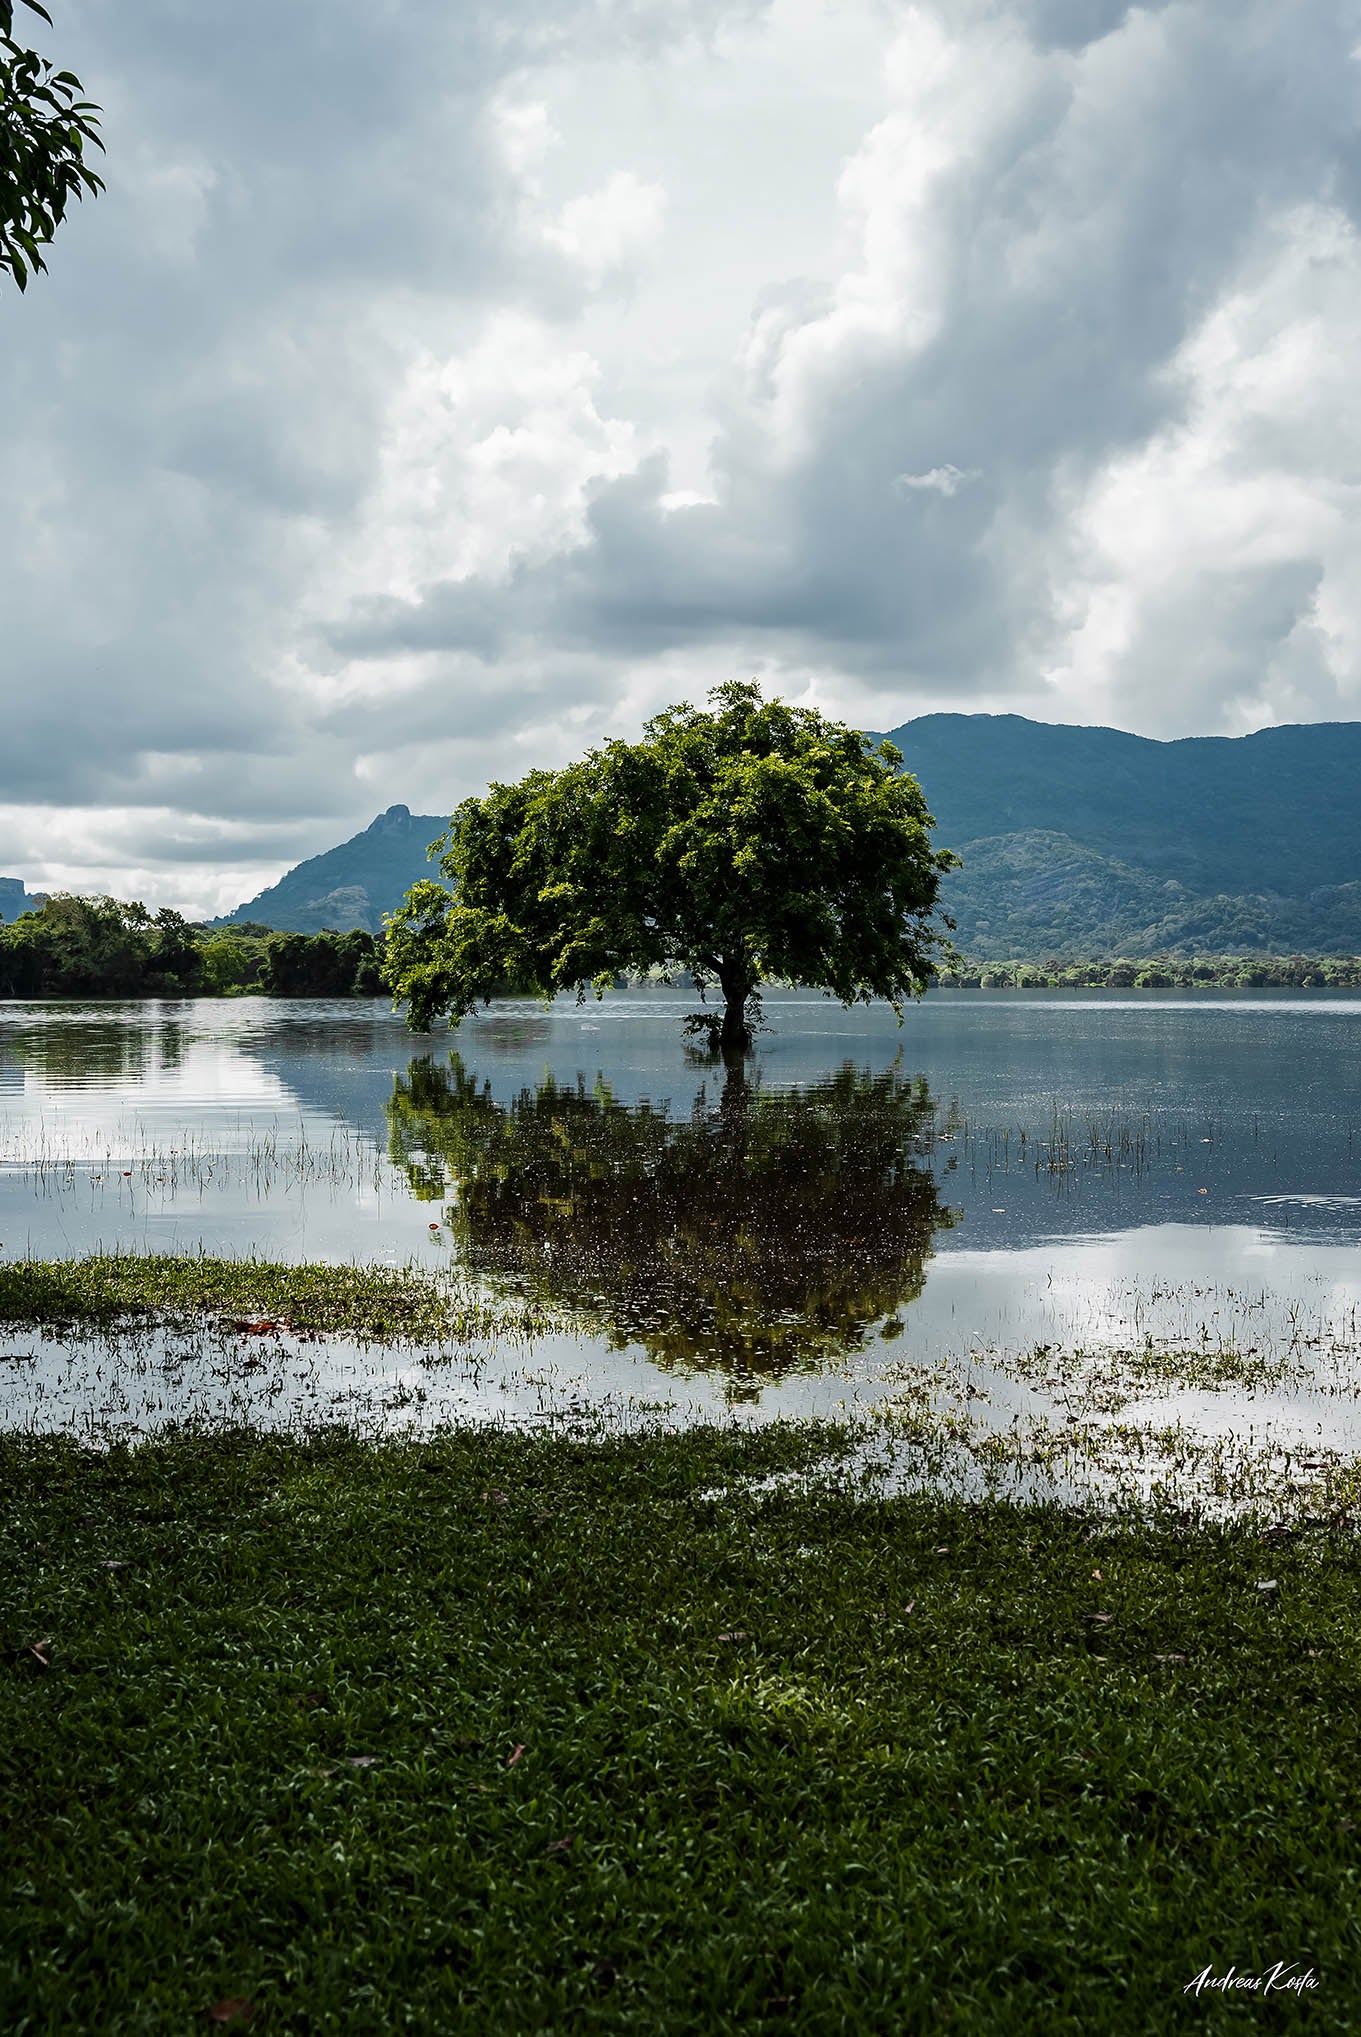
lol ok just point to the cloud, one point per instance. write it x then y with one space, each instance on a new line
456 385
1216 565
1040 225
606 231
484 465
946 480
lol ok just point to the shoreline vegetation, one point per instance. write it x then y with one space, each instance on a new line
1101 1430
669 1731
101 948
365 1302
1160 972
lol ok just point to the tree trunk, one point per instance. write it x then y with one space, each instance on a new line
735 1034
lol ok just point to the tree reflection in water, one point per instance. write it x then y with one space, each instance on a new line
773 1230
79 1051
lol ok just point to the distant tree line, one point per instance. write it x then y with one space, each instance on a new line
1162 972
104 947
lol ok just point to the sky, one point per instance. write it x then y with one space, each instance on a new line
438 391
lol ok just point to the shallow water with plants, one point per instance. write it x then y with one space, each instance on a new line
1027 1239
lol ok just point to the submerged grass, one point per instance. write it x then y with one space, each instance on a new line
501 1733
364 1302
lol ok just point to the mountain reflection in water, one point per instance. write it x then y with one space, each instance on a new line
771 1230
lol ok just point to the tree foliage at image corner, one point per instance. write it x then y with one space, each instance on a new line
751 842
44 126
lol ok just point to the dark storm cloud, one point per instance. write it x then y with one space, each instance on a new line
1072 24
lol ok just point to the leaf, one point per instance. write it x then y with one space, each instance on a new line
911 1606
515 1756
235 2009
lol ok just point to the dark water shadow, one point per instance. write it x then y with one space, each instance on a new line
771 1230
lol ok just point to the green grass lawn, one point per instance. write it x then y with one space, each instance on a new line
512 1733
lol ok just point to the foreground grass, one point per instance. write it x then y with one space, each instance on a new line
368 1302
507 1733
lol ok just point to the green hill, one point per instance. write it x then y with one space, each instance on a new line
1275 812
1088 840
354 885
1076 841
1038 893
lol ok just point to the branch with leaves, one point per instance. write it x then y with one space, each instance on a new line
44 126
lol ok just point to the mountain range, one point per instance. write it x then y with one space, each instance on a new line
1076 842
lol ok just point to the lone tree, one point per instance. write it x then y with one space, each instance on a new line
44 125
754 841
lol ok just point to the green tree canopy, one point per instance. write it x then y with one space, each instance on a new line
44 125
752 842
99 947
327 964
770 1230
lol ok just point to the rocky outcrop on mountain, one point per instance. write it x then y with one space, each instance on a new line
14 899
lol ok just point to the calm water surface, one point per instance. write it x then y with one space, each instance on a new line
1012 1173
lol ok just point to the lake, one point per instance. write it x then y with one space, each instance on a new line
1024 1213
